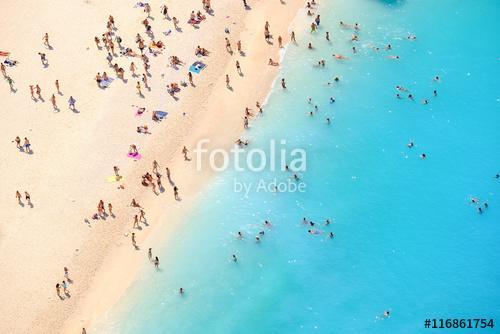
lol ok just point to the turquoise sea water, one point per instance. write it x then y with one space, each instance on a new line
407 239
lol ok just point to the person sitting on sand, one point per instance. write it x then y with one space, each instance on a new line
201 51
273 63
133 150
143 129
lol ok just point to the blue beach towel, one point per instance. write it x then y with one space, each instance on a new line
106 83
197 67
161 114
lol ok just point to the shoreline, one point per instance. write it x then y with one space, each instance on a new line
104 253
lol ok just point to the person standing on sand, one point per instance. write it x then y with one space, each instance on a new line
227 81
133 240
57 87
176 193
245 122
280 42
164 12
110 209
142 215
43 58
19 197
58 290
190 78
116 170
157 262
150 254
32 92
27 145
65 287
66 274
292 37
45 40
327 36
71 103
185 152
27 197
238 45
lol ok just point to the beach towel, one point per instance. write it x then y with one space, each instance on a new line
113 178
4 53
197 67
10 62
161 114
135 156
106 83
140 4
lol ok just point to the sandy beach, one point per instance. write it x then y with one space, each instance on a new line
74 152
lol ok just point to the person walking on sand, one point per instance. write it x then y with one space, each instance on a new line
280 42
164 12
228 46
176 22
238 45
190 78
19 197
138 86
38 91
66 274
132 68
65 287
71 103
53 100
227 81
147 9
32 92
145 80
142 215
136 222
133 240
157 262
176 193
43 58
238 68
155 166
58 290
150 254
45 40
168 173
185 152
116 170
18 142
110 209
57 87
27 197
292 36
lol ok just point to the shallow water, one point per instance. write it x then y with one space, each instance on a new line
406 239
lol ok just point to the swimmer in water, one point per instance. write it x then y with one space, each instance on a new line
497 176
410 144
393 57
240 235
311 223
327 222
331 235
332 100
304 220
424 101
435 92
339 57
386 313
423 156
328 121
257 239
398 96
235 258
